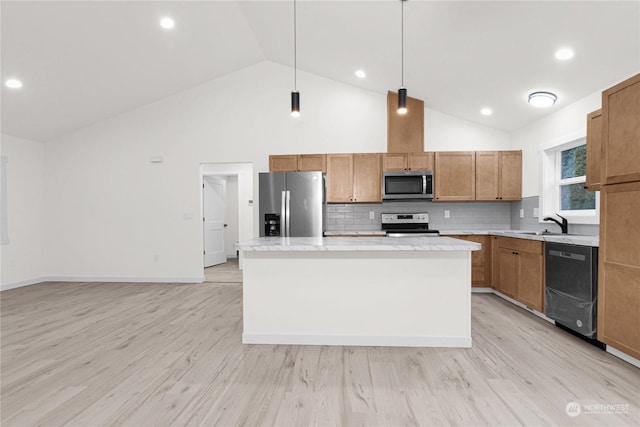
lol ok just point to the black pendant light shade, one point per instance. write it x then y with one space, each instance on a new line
295 103
402 101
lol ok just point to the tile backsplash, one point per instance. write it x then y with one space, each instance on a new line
462 216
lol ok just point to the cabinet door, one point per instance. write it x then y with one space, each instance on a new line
487 175
480 260
594 149
421 161
510 175
405 132
507 272
339 178
619 268
312 163
621 132
455 175
367 178
283 163
394 161
530 285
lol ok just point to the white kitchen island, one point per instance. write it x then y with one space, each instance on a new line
412 292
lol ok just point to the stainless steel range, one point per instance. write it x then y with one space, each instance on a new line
407 225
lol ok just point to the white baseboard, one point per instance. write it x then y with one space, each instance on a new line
624 356
101 279
512 301
356 340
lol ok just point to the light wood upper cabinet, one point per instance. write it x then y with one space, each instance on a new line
283 163
367 178
394 162
510 183
298 163
594 150
455 175
498 175
621 132
312 163
354 178
408 161
405 132
421 161
339 178
619 268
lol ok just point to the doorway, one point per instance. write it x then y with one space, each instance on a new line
213 219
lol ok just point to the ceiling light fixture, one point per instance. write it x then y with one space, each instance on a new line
295 95
361 74
564 54
13 83
167 23
486 111
542 99
402 92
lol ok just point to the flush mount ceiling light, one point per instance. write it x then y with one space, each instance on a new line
564 54
402 92
361 74
167 23
295 95
542 99
13 83
486 111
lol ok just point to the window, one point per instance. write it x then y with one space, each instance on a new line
564 169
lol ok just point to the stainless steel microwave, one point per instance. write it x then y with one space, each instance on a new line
407 185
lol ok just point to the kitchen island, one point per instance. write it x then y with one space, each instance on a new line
382 291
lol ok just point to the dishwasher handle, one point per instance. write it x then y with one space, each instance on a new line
568 255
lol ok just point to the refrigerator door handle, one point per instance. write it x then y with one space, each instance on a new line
283 217
287 217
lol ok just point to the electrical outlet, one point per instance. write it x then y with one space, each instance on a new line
521 213
535 212
372 214
447 214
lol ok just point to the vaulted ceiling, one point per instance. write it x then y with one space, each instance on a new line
85 61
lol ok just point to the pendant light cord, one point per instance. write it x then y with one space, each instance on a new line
402 41
295 59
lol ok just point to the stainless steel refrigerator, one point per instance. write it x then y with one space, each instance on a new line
292 204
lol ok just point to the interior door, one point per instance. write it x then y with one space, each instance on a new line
213 220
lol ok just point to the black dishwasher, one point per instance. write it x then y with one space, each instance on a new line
571 287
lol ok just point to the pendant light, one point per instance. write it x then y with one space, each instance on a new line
402 92
295 95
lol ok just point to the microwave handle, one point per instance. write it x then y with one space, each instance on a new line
424 184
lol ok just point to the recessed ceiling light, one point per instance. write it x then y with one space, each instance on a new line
361 74
167 23
486 111
542 99
13 83
564 54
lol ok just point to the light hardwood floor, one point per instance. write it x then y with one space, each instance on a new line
94 354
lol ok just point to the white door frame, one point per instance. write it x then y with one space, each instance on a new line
244 172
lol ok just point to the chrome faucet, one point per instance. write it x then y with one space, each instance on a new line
564 225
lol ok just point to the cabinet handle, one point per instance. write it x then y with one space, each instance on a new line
497 198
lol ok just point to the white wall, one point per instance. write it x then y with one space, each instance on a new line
23 250
111 211
563 126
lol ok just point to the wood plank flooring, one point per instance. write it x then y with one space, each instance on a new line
144 354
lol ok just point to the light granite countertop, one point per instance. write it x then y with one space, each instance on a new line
287 244
570 239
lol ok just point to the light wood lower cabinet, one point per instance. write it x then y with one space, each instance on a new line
480 260
619 268
518 270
